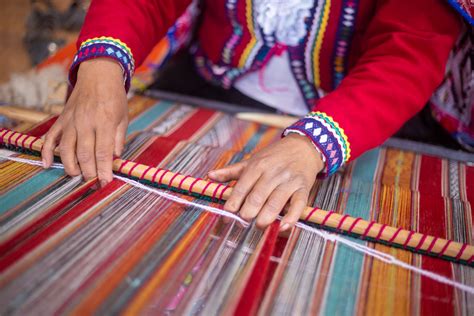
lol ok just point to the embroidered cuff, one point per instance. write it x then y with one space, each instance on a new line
328 138
104 47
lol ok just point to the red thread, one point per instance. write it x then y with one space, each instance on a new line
10 138
123 165
154 176
327 217
215 191
162 176
422 240
182 181
205 188
131 169
23 142
464 246
172 179
311 214
16 140
342 221
144 173
31 144
408 239
194 182
395 235
354 224
380 232
432 244
222 192
444 248
364 235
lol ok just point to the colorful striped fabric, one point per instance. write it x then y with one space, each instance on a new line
67 248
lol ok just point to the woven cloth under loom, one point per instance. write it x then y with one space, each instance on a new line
66 248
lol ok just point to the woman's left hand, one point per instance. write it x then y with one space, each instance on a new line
281 173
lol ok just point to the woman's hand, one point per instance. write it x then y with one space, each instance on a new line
94 122
281 173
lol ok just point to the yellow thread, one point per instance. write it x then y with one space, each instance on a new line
319 41
340 130
253 40
127 49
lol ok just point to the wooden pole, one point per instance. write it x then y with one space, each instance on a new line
410 240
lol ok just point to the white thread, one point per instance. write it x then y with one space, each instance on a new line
389 259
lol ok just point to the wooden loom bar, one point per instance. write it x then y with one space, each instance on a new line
343 223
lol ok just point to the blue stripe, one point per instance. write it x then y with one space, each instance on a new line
29 188
149 116
347 265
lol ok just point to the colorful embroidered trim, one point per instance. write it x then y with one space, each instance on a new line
104 47
327 136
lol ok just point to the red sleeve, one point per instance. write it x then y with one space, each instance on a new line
140 24
405 50
124 30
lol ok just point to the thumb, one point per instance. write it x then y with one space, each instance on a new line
228 173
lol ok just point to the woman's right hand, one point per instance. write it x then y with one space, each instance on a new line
93 125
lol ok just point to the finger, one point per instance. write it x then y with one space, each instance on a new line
298 202
232 172
67 150
104 150
85 153
51 140
241 189
120 136
274 205
258 196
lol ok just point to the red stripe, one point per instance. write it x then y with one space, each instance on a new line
433 242
364 235
131 169
436 298
172 179
380 232
10 138
422 240
190 126
144 173
354 224
194 182
16 140
342 221
408 239
215 191
222 193
42 128
180 185
153 179
471 259
162 176
461 251
311 214
327 217
444 248
205 188
31 144
395 235
24 140
122 165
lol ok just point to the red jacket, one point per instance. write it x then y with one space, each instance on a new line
380 60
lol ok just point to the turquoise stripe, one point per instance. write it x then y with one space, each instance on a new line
29 188
347 266
149 116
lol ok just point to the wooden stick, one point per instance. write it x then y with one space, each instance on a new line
418 242
274 120
21 114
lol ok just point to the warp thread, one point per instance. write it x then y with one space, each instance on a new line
389 259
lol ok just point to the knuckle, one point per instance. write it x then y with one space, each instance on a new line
102 156
84 156
255 198
274 206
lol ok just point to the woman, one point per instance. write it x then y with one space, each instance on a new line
377 61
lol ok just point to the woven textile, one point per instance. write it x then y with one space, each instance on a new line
66 247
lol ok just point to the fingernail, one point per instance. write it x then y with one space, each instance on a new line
43 161
284 227
103 183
